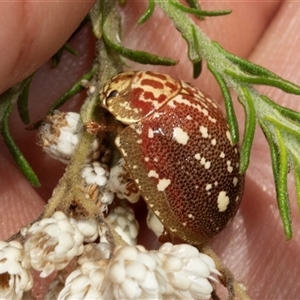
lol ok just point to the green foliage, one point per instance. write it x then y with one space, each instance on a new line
280 125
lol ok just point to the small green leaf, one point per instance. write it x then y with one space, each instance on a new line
246 65
195 4
282 195
22 101
296 169
288 113
70 49
280 165
148 13
231 117
202 13
95 16
197 69
75 89
15 151
139 56
278 82
249 129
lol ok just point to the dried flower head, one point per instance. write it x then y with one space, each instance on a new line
94 181
52 243
60 134
85 282
121 183
134 273
124 223
15 275
188 272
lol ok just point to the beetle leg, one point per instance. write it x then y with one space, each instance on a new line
94 127
165 237
131 188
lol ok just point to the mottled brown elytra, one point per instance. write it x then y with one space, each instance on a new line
178 150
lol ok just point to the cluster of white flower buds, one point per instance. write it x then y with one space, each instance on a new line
95 269
127 272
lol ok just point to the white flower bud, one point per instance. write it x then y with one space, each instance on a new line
188 272
134 273
154 223
60 134
124 223
15 275
95 178
88 228
52 243
121 183
85 282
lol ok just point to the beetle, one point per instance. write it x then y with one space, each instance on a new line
178 149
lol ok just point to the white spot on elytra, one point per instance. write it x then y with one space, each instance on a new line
197 156
203 131
171 103
213 142
180 136
138 130
191 216
188 117
216 183
163 184
208 187
146 159
153 173
235 181
139 141
222 155
223 201
207 165
229 167
237 198
156 115
213 120
150 133
155 159
157 212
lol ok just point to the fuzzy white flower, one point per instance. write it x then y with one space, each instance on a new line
121 183
134 273
154 223
124 223
15 275
85 282
88 228
52 243
60 134
188 272
95 178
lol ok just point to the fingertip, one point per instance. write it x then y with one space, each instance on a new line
34 31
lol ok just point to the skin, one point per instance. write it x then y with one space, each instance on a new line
253 246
